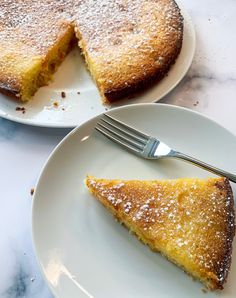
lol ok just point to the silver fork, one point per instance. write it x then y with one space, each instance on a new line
147 146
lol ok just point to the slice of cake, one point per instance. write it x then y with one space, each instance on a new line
190 221
127 44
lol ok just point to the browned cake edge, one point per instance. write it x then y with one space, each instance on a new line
213 282
143 83
10 90
222 271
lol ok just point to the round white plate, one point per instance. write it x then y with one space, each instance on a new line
72 77
81 249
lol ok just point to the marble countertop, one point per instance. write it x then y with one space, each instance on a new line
209 87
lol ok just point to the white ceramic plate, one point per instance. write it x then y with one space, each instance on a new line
82 250
72 77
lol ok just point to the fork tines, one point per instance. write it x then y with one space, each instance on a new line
122 133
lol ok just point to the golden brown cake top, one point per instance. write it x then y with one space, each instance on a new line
129 41
33 22
121 18
189 219
28 29
30 24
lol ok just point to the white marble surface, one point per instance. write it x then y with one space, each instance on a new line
209 87
211 80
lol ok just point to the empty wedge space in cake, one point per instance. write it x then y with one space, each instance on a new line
127 45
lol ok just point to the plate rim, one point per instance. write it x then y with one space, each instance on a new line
66 138
43 124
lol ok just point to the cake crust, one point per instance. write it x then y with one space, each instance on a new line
190 221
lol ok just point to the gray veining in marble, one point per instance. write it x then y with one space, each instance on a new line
7 129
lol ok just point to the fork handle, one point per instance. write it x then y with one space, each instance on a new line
205 166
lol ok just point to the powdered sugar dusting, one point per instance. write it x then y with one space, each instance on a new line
148 31
30 28
195 216
37 23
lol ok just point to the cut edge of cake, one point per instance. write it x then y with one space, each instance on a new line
140 84
41 71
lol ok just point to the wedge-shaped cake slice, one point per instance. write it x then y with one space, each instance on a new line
190 221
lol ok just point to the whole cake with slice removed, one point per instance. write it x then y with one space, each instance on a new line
127 44
190 221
